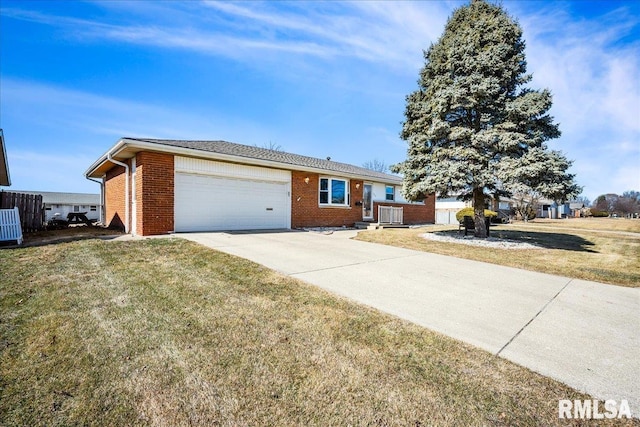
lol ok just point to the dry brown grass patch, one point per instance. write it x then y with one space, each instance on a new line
165 332
603 255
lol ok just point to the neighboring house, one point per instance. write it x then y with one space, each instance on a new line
549 209
154 186
65 203
446 209
576 209
5 179
504 207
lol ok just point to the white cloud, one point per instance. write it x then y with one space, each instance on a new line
390 34
372 50
60 108
73 128
595 82
49 171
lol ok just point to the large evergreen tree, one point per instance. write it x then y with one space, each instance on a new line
472 127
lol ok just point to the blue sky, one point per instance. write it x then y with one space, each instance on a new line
317 78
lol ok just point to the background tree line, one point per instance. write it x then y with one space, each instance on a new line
625 205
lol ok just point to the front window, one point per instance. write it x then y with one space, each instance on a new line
390 193
324 191
334 191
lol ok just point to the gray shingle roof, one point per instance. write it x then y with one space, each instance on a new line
252 152
56 198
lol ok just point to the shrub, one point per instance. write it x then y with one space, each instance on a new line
524 213
598 214
469 212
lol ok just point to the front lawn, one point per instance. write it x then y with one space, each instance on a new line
593 224
166 332
583 249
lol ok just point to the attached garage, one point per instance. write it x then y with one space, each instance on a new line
211 196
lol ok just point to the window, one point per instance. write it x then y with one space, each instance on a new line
390 193
334 191
76 208
324 191
93 208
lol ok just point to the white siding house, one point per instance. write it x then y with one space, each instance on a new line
64 203
446 209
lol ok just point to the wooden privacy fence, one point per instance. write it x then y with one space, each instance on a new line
10 227
29 206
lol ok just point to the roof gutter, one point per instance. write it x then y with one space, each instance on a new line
105 157
126 189
101 182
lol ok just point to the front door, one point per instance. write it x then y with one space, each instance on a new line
367 205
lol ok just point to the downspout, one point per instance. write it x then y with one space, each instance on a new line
126 190
101 182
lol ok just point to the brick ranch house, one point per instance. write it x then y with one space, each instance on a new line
153 186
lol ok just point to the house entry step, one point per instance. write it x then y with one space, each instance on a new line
362 225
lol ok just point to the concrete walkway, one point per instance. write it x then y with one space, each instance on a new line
585 334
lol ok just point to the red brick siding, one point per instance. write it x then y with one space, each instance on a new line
114 196
417 213
154 193
155 199
305 208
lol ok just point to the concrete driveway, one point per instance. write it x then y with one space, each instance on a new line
584 334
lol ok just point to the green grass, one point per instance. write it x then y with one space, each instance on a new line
166 332
599 250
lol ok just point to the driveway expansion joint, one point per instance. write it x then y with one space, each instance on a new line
351 265
533 318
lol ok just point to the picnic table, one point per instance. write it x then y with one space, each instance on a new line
78 218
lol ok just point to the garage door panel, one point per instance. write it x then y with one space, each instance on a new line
210 203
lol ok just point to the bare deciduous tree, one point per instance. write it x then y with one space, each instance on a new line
376 165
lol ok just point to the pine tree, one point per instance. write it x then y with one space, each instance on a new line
472 127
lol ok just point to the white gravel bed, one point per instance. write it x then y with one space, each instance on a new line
325 230
489 242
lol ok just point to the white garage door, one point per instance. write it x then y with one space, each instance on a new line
446 216
209 203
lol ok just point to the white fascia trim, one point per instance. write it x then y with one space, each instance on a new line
397 202
105 157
